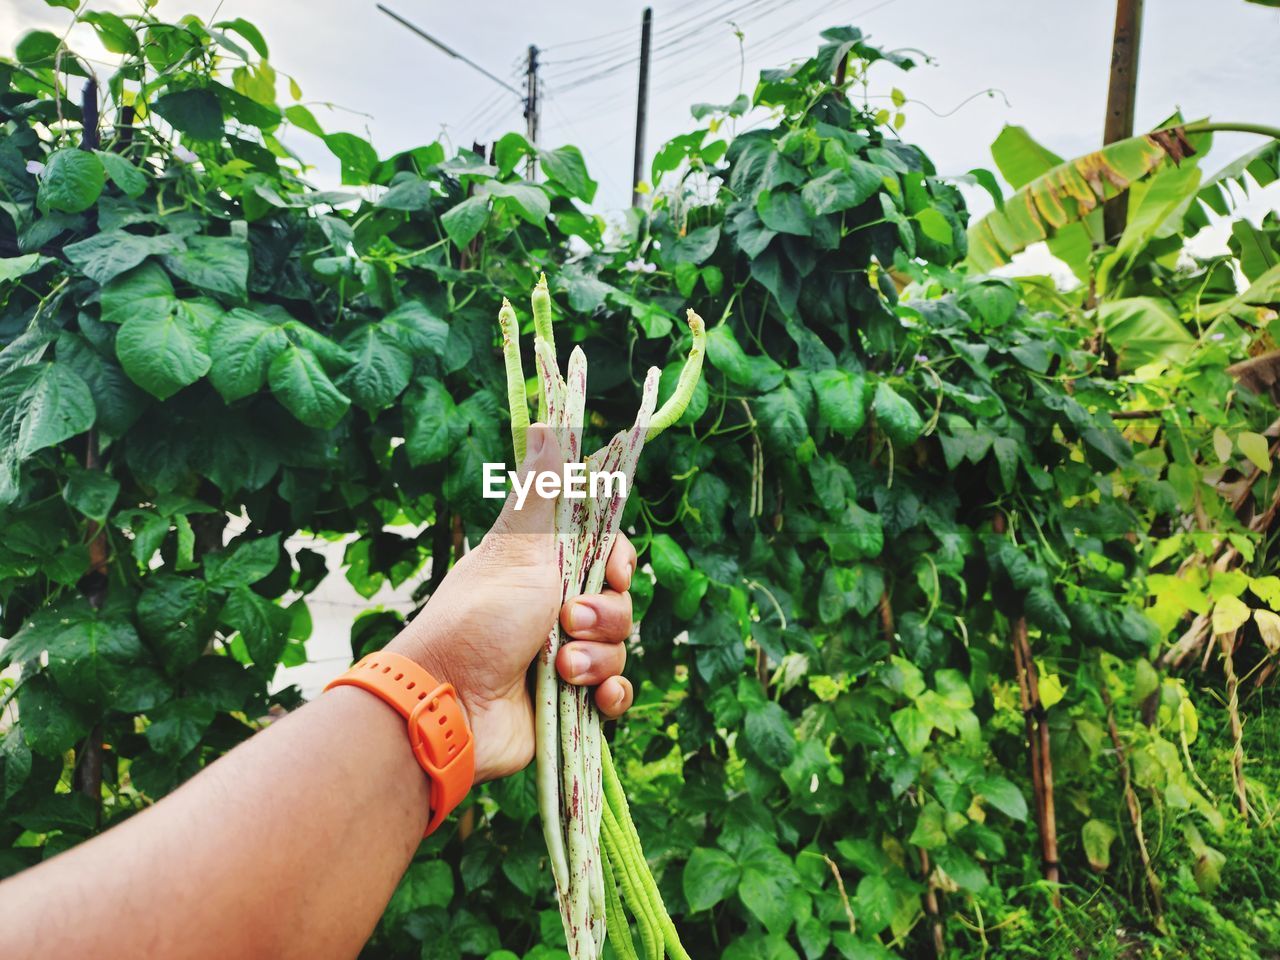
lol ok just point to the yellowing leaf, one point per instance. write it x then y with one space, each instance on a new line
1267 589
1229 615
1268 624
1052 689
1098 835
1255 447
1222 445
295 91
1187 716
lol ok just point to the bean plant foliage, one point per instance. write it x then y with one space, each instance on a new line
894 466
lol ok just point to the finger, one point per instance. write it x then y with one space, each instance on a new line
614 697
585 663
598 616
530 512
621 565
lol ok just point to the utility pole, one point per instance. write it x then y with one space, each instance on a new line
1121 94
642 105
531 110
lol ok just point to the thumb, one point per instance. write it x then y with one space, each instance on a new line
526 510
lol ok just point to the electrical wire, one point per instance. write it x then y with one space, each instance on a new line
628 44
675 45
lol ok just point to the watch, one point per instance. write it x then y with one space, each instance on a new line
438 731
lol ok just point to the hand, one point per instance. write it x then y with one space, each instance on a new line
494 610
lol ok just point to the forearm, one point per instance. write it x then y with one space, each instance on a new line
290 845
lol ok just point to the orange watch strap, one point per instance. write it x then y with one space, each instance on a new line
438 731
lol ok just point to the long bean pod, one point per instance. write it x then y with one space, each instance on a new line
516 400
592 843
619 929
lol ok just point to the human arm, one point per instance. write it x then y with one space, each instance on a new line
291 844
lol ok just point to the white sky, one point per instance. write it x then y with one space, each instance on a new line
1049 60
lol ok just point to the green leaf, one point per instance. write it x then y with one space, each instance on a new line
146 292
36 46
51 723
727 356
195 113
162 354
1098 835
104 256
566 166
426 883
768 876
41 405
525 199
930 832
783 211
696 246
1003 795
465 220
15 268
782 418
934 225
91 492
961 868
357 156
1059 198
1020 157
263 624
710 876
431 419
408 195
114 34
1144 329
242 348
769 734
118 401
218 265
1043 611
131 181
247 30
912 728
72 181
172 619
417 329
842 399
381 370
875 902
177 726
843 189
300 384
896 416
670 563
246 562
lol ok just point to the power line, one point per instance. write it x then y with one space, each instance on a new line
627 45
606 35
447 49
682 44
673 34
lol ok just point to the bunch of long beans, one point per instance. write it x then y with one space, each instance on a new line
580 799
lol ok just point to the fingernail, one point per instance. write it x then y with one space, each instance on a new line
631 573
617 701
536 437
578 664
581 617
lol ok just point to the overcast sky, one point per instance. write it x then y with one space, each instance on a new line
1047 60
